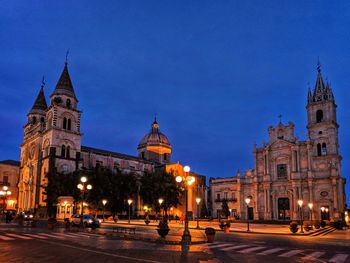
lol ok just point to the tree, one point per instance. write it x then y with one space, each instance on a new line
60 184
225 209
203 210
160 185
115 187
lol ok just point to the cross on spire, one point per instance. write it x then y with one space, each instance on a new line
43 82
66 61
280 117
318 65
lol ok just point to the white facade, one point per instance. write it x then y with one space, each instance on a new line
287 170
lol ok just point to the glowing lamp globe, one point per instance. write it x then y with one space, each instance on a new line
83 179
89 186
187 169
300 202
178 179
247 201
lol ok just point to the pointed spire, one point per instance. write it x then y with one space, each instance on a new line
40 101
320 86
64 85
309 94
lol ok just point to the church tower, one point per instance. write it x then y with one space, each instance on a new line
155 146
31 161
325 182
51 142
61 142
322 120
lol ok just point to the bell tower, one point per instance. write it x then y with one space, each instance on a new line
62 137
322 120
326 185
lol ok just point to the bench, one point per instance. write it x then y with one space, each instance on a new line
122 229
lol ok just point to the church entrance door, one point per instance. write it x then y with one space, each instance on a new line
283 209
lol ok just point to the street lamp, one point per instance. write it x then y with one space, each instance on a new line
129 202
247 201
322 212
300 203
230 212
187 181
4 193
327 214
83 188
160 201
198 200
104 202
310 206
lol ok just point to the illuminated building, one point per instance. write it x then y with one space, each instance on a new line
288 169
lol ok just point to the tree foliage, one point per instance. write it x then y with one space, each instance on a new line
116 188
225 209
160 185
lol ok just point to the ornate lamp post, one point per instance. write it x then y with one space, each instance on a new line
83 188
327 214
230 212
4 193
300 203
322 213
247 201
198 200
104 202
310 206
129 202
160 201
187 181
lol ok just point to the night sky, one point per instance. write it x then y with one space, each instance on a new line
217 73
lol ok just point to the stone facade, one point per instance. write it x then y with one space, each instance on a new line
287 169
9 175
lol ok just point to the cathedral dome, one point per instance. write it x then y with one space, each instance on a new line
154 138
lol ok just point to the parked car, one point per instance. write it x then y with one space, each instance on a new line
88 221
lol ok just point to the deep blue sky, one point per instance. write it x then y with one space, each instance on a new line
218 73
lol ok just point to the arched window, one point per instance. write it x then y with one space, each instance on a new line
68 104
69 125
324 149
63 151
34 120
165 157
319 151
42 119
64 123
319 116
68 152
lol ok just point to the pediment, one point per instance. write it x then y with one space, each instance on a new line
281 144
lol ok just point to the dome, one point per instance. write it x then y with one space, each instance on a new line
154 138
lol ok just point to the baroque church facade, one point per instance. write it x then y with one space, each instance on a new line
288 169
52 142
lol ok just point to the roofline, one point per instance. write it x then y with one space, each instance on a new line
113 154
